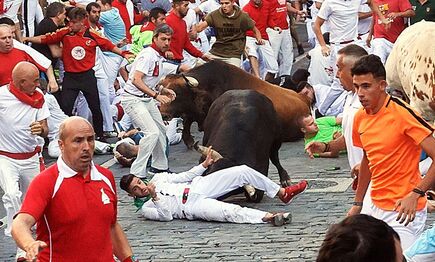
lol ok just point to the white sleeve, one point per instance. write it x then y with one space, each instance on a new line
39 15
157 210
325 10
38 57
43 113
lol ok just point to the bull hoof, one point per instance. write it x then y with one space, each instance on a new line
286 183
256 198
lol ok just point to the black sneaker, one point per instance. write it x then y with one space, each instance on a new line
153 171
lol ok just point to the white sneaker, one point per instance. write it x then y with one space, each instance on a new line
21 255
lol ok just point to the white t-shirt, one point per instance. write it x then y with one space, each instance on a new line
154 68
209 6
15 120
364 24
56 116
319 68
351 106
342 17
10 9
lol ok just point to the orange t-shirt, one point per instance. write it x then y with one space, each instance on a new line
391 139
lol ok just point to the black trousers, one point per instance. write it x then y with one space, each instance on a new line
87 83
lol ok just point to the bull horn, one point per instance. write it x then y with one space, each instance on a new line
191 81
203 151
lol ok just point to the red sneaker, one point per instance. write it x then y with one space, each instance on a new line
292 191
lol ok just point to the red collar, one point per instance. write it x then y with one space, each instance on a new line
154 46
148 26
36 100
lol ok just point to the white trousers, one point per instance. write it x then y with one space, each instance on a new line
145 115
263 53
408 234
382 48
111 64
202 203
172 130
15 178
282 46
104 95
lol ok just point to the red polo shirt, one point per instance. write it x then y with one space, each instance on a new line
78 53
260 15
180 39
74 214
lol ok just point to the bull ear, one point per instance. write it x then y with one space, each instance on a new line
191 81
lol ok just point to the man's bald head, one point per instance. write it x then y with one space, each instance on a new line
25 77
77 143
69 123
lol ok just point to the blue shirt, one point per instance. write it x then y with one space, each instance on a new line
113 24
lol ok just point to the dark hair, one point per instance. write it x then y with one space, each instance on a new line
369 64
43 84
125 182
154 13
124 149
177 1
92 4
359 238
300 75
162 29
107 2
77 13
6 21
54 9
302 85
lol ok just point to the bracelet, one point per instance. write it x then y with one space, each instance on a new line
155 95
358 204
419 191
131 258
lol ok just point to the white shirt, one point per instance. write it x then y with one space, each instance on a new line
209 6
351 106
364 24
320 69
170 188
56 116
342 17
153 65
10 9
336 108
15 120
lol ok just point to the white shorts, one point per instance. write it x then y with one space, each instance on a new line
264 53
408 234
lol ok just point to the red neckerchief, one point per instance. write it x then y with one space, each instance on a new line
148 26
154 46
36 100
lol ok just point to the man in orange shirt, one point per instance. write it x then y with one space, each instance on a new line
391 135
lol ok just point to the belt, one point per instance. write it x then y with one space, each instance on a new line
141 96
21 156
346 42
185 195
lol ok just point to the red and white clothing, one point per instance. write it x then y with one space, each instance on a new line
9 9
32 15
88 208
143 110
19 53
180 39
79 49
384 39
15 137
281 42
128 15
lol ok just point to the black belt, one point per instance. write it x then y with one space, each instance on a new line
141 96
185 195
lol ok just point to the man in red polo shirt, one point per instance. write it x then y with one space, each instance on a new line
73 204
180 39
78 54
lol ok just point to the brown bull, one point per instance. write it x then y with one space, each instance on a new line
197 90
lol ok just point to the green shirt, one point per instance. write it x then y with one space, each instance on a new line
327 127
425 11
140 39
